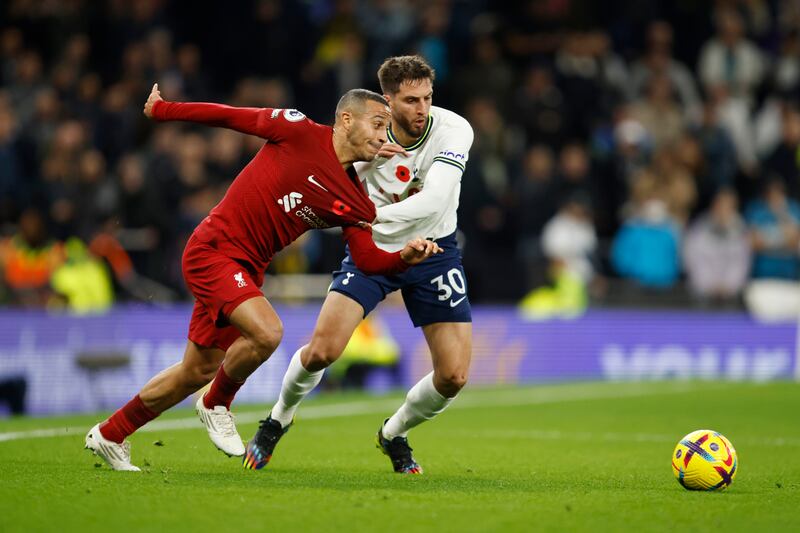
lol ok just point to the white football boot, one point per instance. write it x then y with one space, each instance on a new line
118 456
219 423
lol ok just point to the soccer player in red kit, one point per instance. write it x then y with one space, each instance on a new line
301 179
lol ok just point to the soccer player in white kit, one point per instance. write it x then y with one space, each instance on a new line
415 187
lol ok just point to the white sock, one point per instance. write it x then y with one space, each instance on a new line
423 402
297 383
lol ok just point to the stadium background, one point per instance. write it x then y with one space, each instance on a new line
603 134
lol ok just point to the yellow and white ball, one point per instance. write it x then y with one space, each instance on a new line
705 460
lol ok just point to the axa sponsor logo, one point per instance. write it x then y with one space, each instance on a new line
290 201
651 361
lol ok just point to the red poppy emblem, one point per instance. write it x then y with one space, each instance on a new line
402 173
339 208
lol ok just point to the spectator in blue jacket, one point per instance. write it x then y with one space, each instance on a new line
774 222
646 247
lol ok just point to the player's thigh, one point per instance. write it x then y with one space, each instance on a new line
257 321
450 344
339 317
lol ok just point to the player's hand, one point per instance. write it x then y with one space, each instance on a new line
389 150
364 225
418 250
155 96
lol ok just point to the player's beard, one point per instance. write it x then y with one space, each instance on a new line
409 128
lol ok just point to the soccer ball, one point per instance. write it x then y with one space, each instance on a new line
704 460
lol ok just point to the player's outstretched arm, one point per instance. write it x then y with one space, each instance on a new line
371 260
155 96
250 120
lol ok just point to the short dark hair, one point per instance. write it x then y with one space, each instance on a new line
395 70
354 100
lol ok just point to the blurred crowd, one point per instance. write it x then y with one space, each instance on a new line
617 145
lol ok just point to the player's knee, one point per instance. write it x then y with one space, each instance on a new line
198 376
450 383
320 355
265 340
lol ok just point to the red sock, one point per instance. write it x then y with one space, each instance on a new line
126 420
222 391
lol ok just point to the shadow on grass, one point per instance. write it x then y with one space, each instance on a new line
469 482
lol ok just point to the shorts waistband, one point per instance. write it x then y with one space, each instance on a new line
447 239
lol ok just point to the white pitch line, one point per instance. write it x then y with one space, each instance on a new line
475 399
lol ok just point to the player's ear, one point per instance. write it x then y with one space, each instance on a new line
347 120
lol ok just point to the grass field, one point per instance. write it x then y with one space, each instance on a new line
590 457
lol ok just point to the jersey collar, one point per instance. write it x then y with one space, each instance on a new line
419 142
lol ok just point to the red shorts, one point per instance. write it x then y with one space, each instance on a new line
219 284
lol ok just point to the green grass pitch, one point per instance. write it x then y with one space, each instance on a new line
571 457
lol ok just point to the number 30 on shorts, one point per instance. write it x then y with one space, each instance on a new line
455 282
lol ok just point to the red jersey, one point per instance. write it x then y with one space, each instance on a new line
293 184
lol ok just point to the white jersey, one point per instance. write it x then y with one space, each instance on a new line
434 166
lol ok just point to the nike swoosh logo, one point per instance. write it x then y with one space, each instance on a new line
315 182
453 304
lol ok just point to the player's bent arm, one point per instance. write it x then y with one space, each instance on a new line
372 261
250 120
440 185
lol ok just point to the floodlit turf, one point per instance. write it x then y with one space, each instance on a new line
589 457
